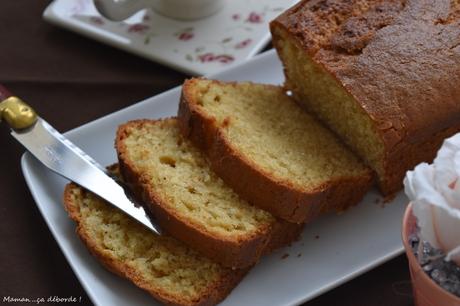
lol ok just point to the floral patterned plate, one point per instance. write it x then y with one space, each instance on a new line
199 47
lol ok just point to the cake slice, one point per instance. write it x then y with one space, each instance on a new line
164 267
189 201
383 74
269 151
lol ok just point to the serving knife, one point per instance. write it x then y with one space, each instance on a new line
61 156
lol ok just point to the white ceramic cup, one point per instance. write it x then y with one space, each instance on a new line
117 10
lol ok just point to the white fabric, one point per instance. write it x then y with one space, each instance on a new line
435 194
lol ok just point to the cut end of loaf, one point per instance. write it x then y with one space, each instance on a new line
316 89
379 73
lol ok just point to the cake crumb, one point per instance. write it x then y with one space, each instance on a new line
300 254
317 237
389 198
286 255
382 201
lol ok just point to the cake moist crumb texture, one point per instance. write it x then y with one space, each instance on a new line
161 265
269 150
189 200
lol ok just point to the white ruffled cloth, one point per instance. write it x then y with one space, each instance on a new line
434 191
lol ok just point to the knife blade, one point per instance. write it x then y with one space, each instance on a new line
61 156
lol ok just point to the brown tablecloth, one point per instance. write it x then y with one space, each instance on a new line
71 80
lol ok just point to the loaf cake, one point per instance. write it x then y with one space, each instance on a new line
269 150
383 74
189 201
166 268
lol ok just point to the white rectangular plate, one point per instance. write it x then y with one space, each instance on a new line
332 250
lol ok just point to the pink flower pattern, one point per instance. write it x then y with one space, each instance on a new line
138 28
185 36
211 57
243 44
236 16
255 18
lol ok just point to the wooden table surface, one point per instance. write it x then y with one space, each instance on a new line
71 80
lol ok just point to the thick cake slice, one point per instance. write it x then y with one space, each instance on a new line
272 153
167 269
383 74
189 200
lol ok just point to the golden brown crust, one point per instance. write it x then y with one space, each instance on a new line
215 293
411 155
282 199
399 60
243 252
284 233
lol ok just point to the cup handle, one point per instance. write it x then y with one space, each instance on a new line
117 10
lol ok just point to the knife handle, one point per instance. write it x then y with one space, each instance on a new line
16 112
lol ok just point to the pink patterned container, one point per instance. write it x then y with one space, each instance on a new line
426 291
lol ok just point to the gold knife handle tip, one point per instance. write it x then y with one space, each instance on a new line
16 112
